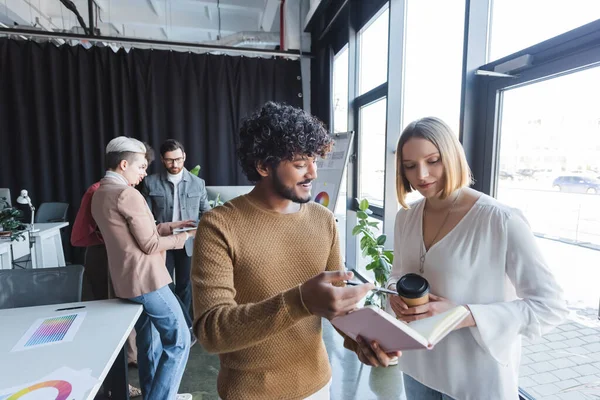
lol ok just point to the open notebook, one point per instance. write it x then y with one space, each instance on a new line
372 323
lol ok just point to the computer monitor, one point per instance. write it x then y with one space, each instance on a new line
5 197
227 193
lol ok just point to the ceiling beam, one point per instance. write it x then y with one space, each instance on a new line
26 10
102 5
174 30
23 11
268 15
245 5
182 20
116 28
156 8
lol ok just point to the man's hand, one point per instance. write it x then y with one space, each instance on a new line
325 300
371 354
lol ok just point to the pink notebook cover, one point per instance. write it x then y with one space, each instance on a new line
370 325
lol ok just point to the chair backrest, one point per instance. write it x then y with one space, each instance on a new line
40 286
52 212
5 197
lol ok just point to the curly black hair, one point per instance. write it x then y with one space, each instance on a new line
278 132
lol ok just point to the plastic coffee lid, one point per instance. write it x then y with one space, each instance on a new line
412 286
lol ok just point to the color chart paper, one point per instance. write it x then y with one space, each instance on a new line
62 384
50 330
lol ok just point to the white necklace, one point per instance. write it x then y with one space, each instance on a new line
424 253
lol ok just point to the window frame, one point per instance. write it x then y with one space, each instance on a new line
573 51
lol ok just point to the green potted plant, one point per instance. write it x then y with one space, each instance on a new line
216 202
213 203
10 226
372 246
195 170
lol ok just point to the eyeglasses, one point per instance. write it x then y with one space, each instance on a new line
173 160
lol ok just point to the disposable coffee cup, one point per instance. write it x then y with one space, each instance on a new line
413 289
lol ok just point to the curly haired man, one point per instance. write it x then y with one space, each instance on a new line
268 266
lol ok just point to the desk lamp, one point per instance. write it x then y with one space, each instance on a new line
24 199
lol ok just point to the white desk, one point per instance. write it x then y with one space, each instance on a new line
5 258
96 345
47 248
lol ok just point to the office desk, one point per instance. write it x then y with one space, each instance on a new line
5 258
96 345
47 247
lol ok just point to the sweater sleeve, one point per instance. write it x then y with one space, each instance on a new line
540 305
334 262
221 324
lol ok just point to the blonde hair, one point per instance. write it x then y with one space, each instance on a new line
123 144
457 173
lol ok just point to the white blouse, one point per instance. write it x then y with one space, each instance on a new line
490 262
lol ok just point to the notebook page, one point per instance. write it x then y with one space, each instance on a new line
438 326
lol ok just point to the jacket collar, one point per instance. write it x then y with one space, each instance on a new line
116 178
185 175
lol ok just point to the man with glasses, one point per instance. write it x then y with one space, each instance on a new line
174 194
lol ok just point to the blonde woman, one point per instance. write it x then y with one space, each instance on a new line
476 252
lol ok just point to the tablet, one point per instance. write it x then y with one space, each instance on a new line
179 230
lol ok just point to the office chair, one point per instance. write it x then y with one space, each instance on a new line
52 212
5 200
40 286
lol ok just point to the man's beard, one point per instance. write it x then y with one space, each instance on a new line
288 192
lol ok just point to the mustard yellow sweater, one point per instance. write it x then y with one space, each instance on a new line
247 268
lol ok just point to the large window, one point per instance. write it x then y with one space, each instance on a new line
340 125
549 167
518 24
340 91
372 120
373 53
434 60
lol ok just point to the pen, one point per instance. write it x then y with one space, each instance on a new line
69 308
382 290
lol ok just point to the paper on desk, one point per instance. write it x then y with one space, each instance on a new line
50 330
62 384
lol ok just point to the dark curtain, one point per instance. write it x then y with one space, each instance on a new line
60 106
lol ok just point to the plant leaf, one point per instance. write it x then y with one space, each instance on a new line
383 264
195 170
362 215
356 229
369 299
364 205
372 265
373 224
389 255
372 252
363 243
381 240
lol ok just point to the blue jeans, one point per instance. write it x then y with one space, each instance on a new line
179 265
417 391
163 342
